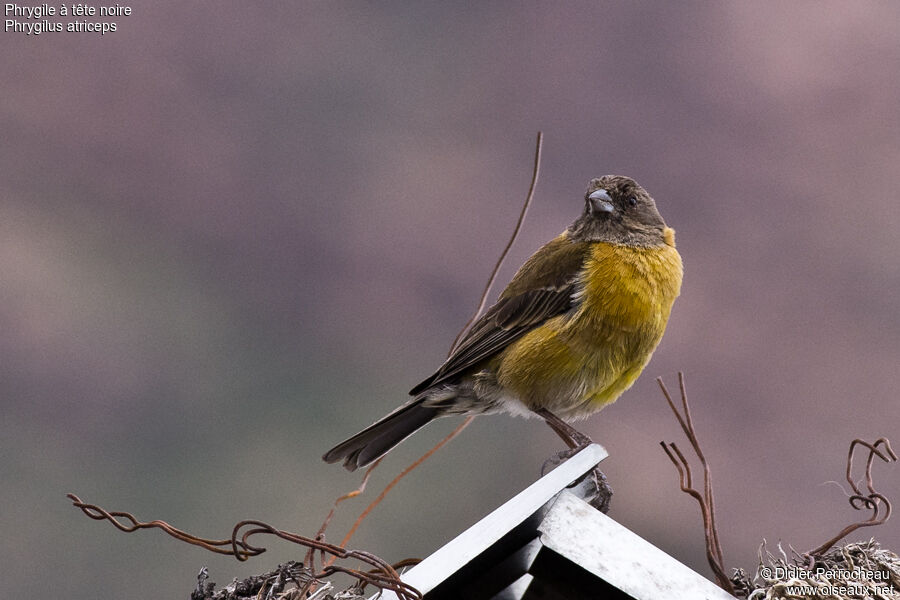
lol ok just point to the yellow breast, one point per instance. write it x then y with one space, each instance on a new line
628 288
576 363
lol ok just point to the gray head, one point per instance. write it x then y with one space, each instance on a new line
619 211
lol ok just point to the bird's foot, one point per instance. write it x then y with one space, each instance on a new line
593 486
595 489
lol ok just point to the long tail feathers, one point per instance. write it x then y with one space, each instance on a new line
377 439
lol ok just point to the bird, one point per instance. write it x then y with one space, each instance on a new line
568 335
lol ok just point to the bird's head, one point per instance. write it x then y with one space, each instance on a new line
619 211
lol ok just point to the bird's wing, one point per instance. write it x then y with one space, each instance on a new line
541 289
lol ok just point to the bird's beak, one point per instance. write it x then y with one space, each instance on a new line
601 202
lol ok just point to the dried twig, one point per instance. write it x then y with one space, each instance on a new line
383 576
856 570
273 584
873 500
705 500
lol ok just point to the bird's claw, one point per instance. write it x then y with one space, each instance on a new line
596 490
593 486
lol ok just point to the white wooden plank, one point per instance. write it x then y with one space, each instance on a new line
598 544
479 537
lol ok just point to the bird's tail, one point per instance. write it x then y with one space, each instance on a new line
377 439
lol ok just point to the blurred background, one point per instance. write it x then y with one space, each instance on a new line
232 234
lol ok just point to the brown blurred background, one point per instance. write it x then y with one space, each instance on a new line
232 234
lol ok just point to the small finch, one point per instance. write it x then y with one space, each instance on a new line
572 330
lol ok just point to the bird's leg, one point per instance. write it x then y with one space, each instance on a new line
573 438
576 441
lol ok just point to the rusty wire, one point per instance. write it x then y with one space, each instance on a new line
308 561
383 575
705 499
352 494
365 513
873 501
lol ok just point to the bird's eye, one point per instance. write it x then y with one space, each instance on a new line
632 201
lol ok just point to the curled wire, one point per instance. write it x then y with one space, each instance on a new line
873 500
383 575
